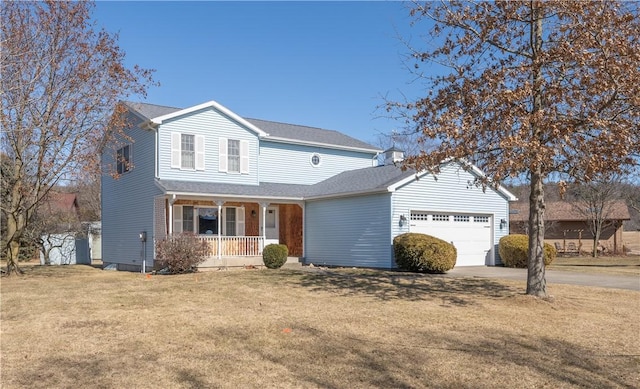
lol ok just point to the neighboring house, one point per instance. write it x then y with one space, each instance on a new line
63 206
59 228
241 184
566 225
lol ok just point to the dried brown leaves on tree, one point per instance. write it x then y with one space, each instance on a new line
61 81
534 89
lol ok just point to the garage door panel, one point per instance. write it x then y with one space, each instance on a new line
469 233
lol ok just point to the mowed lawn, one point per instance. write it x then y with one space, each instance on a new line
82 327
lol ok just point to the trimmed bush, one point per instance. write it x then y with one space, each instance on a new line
514 249
181 253
275 255
424 253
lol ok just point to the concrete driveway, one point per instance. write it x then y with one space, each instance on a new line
552 277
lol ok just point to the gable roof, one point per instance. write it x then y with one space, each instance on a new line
269 130
365 180
567 211
56 202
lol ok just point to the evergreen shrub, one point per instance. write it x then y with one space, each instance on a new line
424 253
275 255
514 249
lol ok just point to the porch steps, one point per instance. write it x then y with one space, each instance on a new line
244 262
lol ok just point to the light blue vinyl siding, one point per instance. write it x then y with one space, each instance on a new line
353 231
291 164
127 203
452 192
213 125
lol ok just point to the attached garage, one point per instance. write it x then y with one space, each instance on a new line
352 218
469 233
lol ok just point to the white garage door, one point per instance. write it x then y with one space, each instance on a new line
471 234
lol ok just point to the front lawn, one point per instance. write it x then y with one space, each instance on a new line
77 326
615 265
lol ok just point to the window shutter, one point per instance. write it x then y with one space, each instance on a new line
177 219
244 157
175 150
222 150
240 221
199 147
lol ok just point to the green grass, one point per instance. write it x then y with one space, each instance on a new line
77 326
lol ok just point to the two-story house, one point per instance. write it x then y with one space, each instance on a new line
241 184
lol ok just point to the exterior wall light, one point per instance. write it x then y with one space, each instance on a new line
503 223
403 220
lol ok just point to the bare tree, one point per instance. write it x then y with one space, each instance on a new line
597 202
534 89
61 81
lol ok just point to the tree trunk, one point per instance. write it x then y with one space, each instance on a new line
12 258
536 283
596 238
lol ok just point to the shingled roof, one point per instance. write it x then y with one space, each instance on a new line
567 211
276 130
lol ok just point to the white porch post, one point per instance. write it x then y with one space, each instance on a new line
172 200
263 207
219 204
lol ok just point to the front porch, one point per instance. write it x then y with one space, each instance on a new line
234 232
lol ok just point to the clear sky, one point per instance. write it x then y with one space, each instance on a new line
321 64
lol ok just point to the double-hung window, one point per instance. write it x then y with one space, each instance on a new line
123 159
233 150
234 156
188 152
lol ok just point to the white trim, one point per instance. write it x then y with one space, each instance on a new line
199 148
176 150
244 157
210 104
319 144
223 161
474 170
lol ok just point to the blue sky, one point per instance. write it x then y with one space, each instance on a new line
321 64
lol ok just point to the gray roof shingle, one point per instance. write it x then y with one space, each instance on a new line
307 134
371 179
292 132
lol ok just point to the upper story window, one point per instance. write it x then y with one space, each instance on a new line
123 159
234 156
187 151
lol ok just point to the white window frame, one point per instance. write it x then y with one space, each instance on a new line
190 162
224 157
239 222
176 151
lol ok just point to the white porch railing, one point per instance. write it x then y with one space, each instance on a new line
233 246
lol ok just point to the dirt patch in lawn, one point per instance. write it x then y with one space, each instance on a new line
78 326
